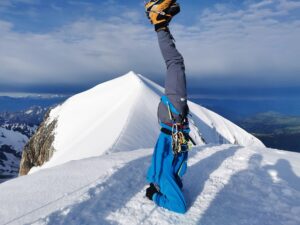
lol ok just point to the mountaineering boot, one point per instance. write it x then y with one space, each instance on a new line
173 10
160 12
150 191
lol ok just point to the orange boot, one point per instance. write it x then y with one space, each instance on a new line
160 12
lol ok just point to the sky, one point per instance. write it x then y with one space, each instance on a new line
65 46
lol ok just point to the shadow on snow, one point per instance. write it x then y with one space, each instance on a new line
106 197
115 192
199 173
250 197
254 197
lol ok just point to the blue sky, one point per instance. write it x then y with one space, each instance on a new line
69 45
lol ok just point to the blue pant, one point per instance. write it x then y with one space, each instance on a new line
166 171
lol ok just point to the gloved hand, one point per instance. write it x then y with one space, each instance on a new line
160 12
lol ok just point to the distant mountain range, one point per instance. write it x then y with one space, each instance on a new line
19 119
275 121
275 130
16 128
237 108
22 103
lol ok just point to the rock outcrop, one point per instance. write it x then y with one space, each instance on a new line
39 149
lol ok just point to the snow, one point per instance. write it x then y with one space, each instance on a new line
104 140
225 184
12 138
29 111
121 115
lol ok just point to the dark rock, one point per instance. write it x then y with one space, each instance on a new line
39 149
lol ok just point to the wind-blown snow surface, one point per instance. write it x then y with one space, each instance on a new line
121 115
225 184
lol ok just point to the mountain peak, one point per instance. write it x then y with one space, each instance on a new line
131 75
118 115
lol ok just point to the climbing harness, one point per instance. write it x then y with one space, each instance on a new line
180 143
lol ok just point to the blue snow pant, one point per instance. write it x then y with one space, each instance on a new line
166 171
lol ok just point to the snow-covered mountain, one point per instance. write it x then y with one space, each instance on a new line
25 121
15 130
119 115
100 143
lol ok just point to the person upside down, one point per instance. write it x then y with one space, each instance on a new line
169 160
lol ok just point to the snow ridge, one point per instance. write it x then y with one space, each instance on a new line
121 115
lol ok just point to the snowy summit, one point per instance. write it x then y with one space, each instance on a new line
121 115
98 145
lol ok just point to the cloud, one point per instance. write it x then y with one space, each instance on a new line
10 8
259 40
256 42
79 52
10 3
